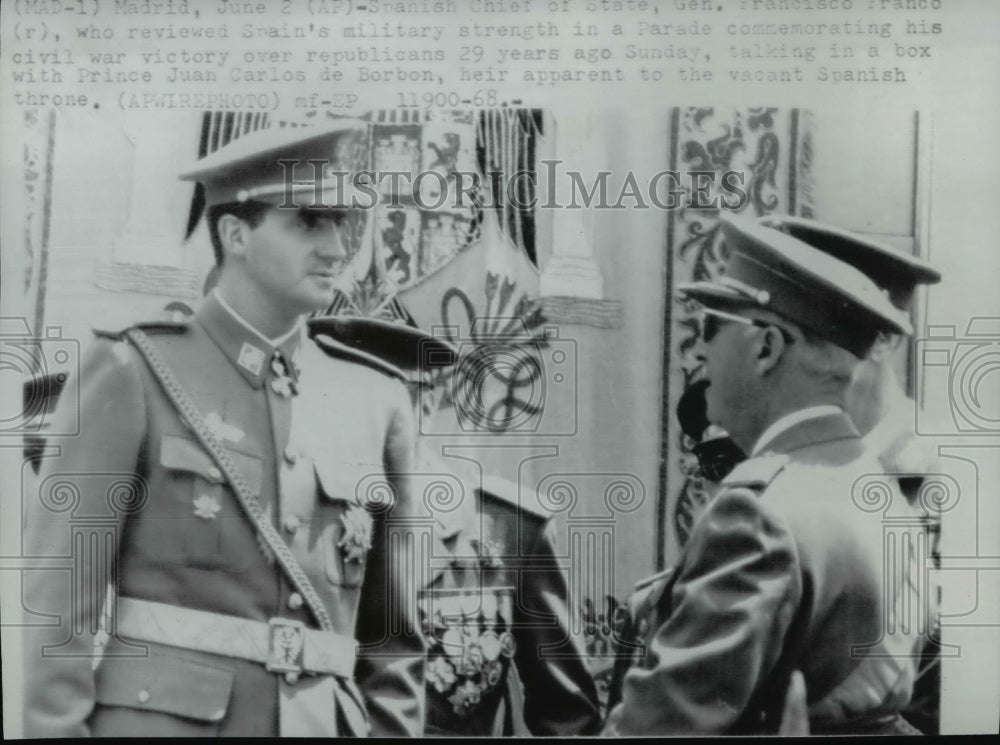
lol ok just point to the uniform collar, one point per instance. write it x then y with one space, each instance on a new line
808 426
246 348
899 418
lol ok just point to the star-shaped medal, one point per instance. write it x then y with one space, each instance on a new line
206 506
357 538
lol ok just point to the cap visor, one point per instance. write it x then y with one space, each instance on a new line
306 197
712 294
404 346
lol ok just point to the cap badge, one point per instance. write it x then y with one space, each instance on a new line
762 297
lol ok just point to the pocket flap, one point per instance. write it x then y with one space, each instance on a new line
357 483
183 454
164 683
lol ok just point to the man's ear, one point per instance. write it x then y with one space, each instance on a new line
884 347
232 234
771 346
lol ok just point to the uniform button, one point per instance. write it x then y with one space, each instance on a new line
291 455
291 678
143 696
292 523
214 473
295 601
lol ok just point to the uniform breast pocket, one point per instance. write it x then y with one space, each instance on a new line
209 529
347 527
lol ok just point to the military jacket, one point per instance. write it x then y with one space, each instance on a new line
497 618
784 571
911 458
135 501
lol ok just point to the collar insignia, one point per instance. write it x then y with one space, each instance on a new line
251 358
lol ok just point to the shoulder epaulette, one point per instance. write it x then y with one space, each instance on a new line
150 327
335 349
654 578
757 472
507 493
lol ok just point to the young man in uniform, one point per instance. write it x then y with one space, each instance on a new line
215 485
784 569
502 659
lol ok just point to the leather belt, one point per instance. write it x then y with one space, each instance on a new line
282 645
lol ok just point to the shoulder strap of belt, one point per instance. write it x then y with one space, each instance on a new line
190 413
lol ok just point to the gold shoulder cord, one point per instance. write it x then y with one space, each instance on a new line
190 414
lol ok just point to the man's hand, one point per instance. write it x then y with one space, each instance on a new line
795 717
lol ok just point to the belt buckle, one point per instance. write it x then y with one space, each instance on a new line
285 645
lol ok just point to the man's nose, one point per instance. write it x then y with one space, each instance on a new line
699 350
330 245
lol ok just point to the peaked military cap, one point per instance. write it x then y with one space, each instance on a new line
893 271
310 167
406 347
771 270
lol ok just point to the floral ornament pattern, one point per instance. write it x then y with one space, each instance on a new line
501 360
772 148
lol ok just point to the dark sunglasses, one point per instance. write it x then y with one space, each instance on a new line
712 321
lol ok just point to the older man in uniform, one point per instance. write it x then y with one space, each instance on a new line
784 569
215 485
717 454
495 607
883 413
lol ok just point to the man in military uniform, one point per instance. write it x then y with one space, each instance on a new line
883 413
495 607
784 569
717 455
215 485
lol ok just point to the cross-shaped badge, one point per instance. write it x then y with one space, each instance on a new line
282 383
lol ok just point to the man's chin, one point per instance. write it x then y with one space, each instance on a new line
318 297
712 412
307 306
